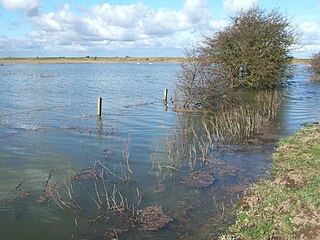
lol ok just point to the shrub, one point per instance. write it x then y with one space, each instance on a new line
315 67
201 84
252 52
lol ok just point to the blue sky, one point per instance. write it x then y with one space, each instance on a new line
140 28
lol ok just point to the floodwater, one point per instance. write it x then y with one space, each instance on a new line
67 174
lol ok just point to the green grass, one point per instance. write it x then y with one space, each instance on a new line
288 206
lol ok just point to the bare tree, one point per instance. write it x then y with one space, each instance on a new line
201 83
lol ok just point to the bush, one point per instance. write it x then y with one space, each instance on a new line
201 84
315 67
252 52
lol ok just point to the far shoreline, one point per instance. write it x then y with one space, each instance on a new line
87 60
61 60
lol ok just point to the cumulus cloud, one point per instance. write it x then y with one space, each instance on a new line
137 21
196 10
30 7
310 38
238 5
109 26
310 28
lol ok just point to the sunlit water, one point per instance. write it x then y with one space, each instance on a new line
49 132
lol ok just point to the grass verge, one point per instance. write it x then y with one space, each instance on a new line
287 205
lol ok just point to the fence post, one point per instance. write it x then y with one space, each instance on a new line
165 95
99 106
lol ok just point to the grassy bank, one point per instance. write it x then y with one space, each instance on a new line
288 206
90 60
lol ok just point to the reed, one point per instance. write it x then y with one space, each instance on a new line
194 141
245 121
97 194
126 154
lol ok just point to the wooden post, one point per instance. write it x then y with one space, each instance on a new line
99 106
165 95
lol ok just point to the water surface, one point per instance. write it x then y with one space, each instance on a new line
49 132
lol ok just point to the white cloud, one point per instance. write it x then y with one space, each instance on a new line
238 5
309 28
20 4
107 27
63 20
196 10
310 38
121 26
30 7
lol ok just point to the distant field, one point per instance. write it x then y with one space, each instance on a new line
301 61
89 60
109 60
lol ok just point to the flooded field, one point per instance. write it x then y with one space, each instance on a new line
142 170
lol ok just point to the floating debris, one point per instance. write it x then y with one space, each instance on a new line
85 174
107 152
198 180
153 218
138 105
47 192
160 188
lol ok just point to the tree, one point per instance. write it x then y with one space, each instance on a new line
315 66
252 52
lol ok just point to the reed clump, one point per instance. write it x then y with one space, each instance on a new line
194 149
246 120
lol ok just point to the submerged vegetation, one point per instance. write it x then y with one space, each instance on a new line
105 200
252 52
286 206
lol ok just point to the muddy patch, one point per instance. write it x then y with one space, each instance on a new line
218 167
86 174
114 233
198 180
248 202
48 192
309 233
160 188
292 181
153 218
306 216
307 221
